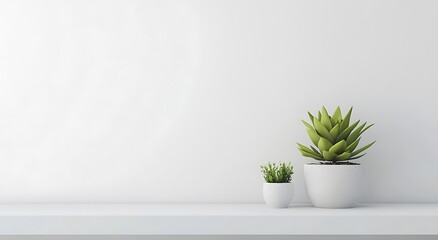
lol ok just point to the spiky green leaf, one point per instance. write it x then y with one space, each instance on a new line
344 134
324 144
335 131
316 151
322 131
344 156
313 135
311 117
337 116
307 125
325 119
333 122
366 129
339 147
328 155
304 148
311 155
352 146
355 134
362 149
346 121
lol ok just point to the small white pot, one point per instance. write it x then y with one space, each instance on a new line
333 186
278 195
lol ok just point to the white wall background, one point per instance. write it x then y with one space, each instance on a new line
181 101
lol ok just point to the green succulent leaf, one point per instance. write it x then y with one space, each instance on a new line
325 119
322 131
307 125
344 156
328 155
319 115
362 149
335 131
344 134
355 134
316 151
366 129
310 116
337 116
324 144
353 145
305 149
333 122
339 147
311 155
313 135
346 122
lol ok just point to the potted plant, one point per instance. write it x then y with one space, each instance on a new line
334 182
278 190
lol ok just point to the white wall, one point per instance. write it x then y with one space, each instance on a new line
181 101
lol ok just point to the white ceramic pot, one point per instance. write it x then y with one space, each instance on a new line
333 186
278 195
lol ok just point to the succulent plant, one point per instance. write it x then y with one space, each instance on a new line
335 139
281 173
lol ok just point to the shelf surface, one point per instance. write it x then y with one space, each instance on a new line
216 219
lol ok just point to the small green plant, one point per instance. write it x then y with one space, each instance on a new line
281 173
335 139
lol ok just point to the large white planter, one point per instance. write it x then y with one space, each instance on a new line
278 195
333 186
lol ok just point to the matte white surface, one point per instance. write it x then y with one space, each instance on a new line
278 195
182 101
333 186
214 219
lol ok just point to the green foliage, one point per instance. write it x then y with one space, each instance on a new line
334 137
281 173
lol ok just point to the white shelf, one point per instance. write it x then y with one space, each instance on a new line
215 219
